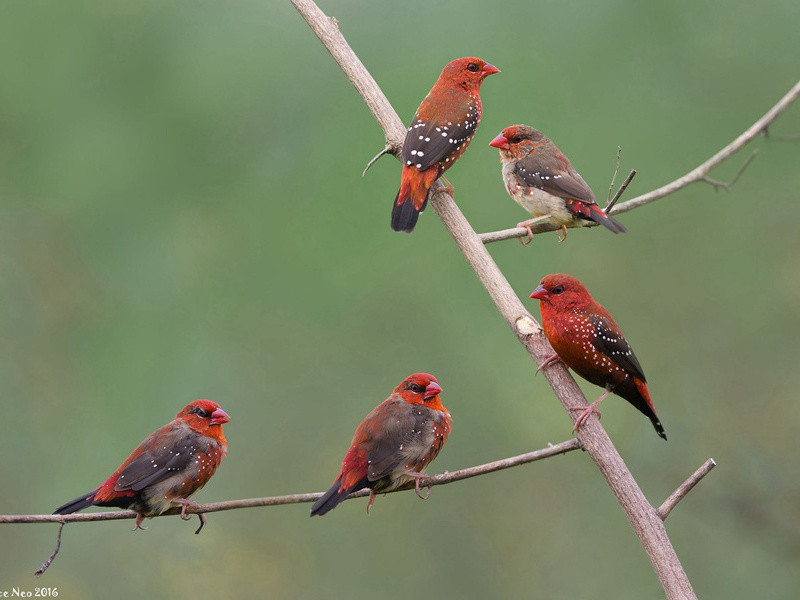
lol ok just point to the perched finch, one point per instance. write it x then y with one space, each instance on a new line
439 134
170 465
393 444
543 182
589 341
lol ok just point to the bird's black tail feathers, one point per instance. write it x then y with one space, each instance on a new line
633 394
601 218
333 497
404 215
79 503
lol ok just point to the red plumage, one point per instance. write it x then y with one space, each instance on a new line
543 181
588 340
170 465
439 134
393 444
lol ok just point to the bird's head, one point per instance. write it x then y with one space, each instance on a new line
517 141
421 388
468 72
561 291
201 415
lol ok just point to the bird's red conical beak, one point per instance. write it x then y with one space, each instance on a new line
219 416
489 70
539 293
500 141
432 389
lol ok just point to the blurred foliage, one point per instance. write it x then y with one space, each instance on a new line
182 215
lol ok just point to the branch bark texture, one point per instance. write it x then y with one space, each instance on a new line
645 520
440 479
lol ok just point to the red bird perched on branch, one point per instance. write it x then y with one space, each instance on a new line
170 465
393 444
544 182
590 342
439 134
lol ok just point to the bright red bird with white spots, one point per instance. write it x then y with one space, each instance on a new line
588 340
393 444
543 182
170 465
438 135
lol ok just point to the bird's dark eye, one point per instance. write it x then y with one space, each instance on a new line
473 67
559 289
516 139
202 413
415 387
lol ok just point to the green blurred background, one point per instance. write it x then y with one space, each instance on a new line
182 215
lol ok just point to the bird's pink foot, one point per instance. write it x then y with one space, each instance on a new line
530 234
553 358
527 226
417 476
138 524
371 500
587 411
184 505
186 516
448 187
563 235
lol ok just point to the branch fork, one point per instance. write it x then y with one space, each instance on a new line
647 522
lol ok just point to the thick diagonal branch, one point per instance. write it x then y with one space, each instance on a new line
645 520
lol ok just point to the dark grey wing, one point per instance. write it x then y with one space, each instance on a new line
613 344
396 442
428 143
564 184
157 462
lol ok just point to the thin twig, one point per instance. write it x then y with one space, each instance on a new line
386 150
616 172
50 558
621 190
727 185
766 134
699 173
685 488
440 479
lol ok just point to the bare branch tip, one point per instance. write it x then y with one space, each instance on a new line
616 171
686 487
728 185
387 150
621 190
40 571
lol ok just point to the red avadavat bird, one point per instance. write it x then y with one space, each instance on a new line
438 135
170 465
544 182
393 444
588 340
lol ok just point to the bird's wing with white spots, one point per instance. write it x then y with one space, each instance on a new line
429 143
568 185
396 443
156 464
615 346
